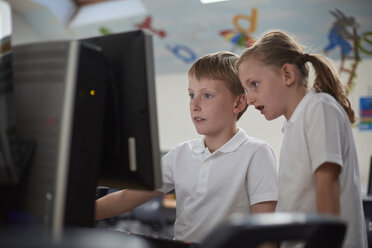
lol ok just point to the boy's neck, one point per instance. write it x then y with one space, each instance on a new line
213 143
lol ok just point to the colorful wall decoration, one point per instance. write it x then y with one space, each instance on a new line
344 35
241 36
365 113
327 27
184 30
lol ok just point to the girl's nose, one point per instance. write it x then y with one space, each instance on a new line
250 99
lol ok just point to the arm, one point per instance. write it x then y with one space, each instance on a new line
122 201
328 188
263 207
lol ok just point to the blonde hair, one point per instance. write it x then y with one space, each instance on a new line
219 66
276 48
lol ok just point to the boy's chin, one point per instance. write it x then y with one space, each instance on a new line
199 131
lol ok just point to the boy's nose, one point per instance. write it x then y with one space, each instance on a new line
194 105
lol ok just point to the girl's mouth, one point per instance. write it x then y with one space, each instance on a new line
260 108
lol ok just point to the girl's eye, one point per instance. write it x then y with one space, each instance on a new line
191 95
208 96
254 84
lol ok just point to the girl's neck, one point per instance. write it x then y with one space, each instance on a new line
213 143
296 98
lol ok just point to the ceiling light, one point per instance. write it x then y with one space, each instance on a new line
212 1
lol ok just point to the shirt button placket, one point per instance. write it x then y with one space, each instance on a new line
203 177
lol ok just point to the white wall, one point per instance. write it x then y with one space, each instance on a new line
363 139
176 126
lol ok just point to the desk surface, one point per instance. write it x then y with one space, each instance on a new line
168 243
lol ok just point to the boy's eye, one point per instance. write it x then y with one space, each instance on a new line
191 95
208 95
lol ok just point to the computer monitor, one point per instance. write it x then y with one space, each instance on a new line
131 146
90 107
369 189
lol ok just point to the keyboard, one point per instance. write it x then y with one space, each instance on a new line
158 242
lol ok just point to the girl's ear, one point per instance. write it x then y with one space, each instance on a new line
288 73
240 103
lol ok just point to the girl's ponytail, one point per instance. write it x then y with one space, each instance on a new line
326 80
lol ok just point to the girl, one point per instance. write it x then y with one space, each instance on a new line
318 167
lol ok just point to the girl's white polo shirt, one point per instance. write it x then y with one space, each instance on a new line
319 131
210 187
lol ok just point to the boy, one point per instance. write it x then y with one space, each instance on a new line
223 173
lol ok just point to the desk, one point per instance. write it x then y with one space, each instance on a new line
168 243
21 237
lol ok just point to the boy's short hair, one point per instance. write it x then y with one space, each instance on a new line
219 66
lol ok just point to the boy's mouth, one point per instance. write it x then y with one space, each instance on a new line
199 119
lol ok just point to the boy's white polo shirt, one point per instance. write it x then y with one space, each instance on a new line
211 187
319 131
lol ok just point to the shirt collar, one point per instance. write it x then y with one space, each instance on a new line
229 146
301 105
200 146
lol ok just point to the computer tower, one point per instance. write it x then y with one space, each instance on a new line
59 90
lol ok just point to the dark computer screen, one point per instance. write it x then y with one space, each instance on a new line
131 146
90 107
369 189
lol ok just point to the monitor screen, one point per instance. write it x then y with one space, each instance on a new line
369 189
90 107
131 146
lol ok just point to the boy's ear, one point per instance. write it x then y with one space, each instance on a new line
240 103
288 73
